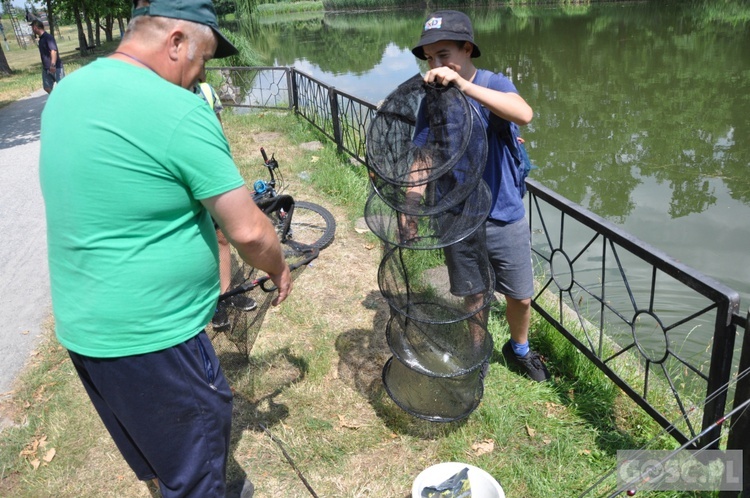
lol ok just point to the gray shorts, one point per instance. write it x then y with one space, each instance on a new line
49 80
508 247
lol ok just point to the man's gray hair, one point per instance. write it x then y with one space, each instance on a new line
151 27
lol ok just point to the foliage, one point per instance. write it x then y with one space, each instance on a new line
26 65
245 8
287 7
616 141
224 8
247 56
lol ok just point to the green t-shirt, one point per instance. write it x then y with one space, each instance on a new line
125 158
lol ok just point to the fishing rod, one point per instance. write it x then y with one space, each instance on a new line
630 488
672 426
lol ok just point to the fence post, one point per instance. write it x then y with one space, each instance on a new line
334 103
739 434
293 91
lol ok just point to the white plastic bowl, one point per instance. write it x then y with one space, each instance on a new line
483 485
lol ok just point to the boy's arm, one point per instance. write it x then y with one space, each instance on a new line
509 106
52 60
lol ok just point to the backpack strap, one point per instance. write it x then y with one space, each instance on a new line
208 94
506 131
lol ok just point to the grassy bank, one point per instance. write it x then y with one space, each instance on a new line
27 66
313 380
287 7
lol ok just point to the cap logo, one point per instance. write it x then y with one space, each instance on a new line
433 23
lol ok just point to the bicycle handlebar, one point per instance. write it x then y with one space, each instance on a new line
310 252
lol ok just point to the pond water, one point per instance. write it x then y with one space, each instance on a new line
642 110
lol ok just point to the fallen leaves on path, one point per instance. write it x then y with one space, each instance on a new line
35 450
483 447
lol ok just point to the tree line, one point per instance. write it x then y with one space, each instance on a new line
94 17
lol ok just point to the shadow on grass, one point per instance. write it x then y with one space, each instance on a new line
257 382
363 353
584 389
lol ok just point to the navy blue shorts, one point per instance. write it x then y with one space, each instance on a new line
169 413
508 247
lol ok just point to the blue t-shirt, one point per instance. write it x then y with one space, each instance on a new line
500 172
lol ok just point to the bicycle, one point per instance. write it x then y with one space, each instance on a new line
303 222
303 228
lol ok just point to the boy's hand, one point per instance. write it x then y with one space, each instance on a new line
445 75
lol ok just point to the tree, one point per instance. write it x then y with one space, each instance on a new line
50 19
4 67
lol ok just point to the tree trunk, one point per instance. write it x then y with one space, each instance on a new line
98 28
4 67
109 23
82 44
50 20
89 26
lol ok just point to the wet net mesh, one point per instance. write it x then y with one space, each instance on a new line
428 231
417 284
443 163
426 152
244 326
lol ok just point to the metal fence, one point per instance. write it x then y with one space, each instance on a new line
613 296
341 117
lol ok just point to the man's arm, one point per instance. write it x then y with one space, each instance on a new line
52 61
249 230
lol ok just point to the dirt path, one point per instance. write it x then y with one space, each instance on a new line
24 299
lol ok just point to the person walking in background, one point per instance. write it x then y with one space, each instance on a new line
52 65
220 320
133 166
447 44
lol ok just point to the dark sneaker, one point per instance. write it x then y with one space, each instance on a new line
220 321
243 303
240 489
153 488
531 364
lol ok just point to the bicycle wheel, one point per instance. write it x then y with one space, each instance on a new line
312 225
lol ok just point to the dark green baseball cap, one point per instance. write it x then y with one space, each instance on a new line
200 11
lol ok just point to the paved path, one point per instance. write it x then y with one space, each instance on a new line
24 276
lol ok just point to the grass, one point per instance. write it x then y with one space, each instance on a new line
27 66
313 380
267 9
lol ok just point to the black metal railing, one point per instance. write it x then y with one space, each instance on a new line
614 296
341 117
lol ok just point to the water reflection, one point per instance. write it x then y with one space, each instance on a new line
640 109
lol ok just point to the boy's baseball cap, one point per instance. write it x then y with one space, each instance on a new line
200 11
446 25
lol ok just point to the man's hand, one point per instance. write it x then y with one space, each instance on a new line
283 282
51 70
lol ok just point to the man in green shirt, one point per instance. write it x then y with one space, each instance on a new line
133 165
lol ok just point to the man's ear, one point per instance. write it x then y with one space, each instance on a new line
176 42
